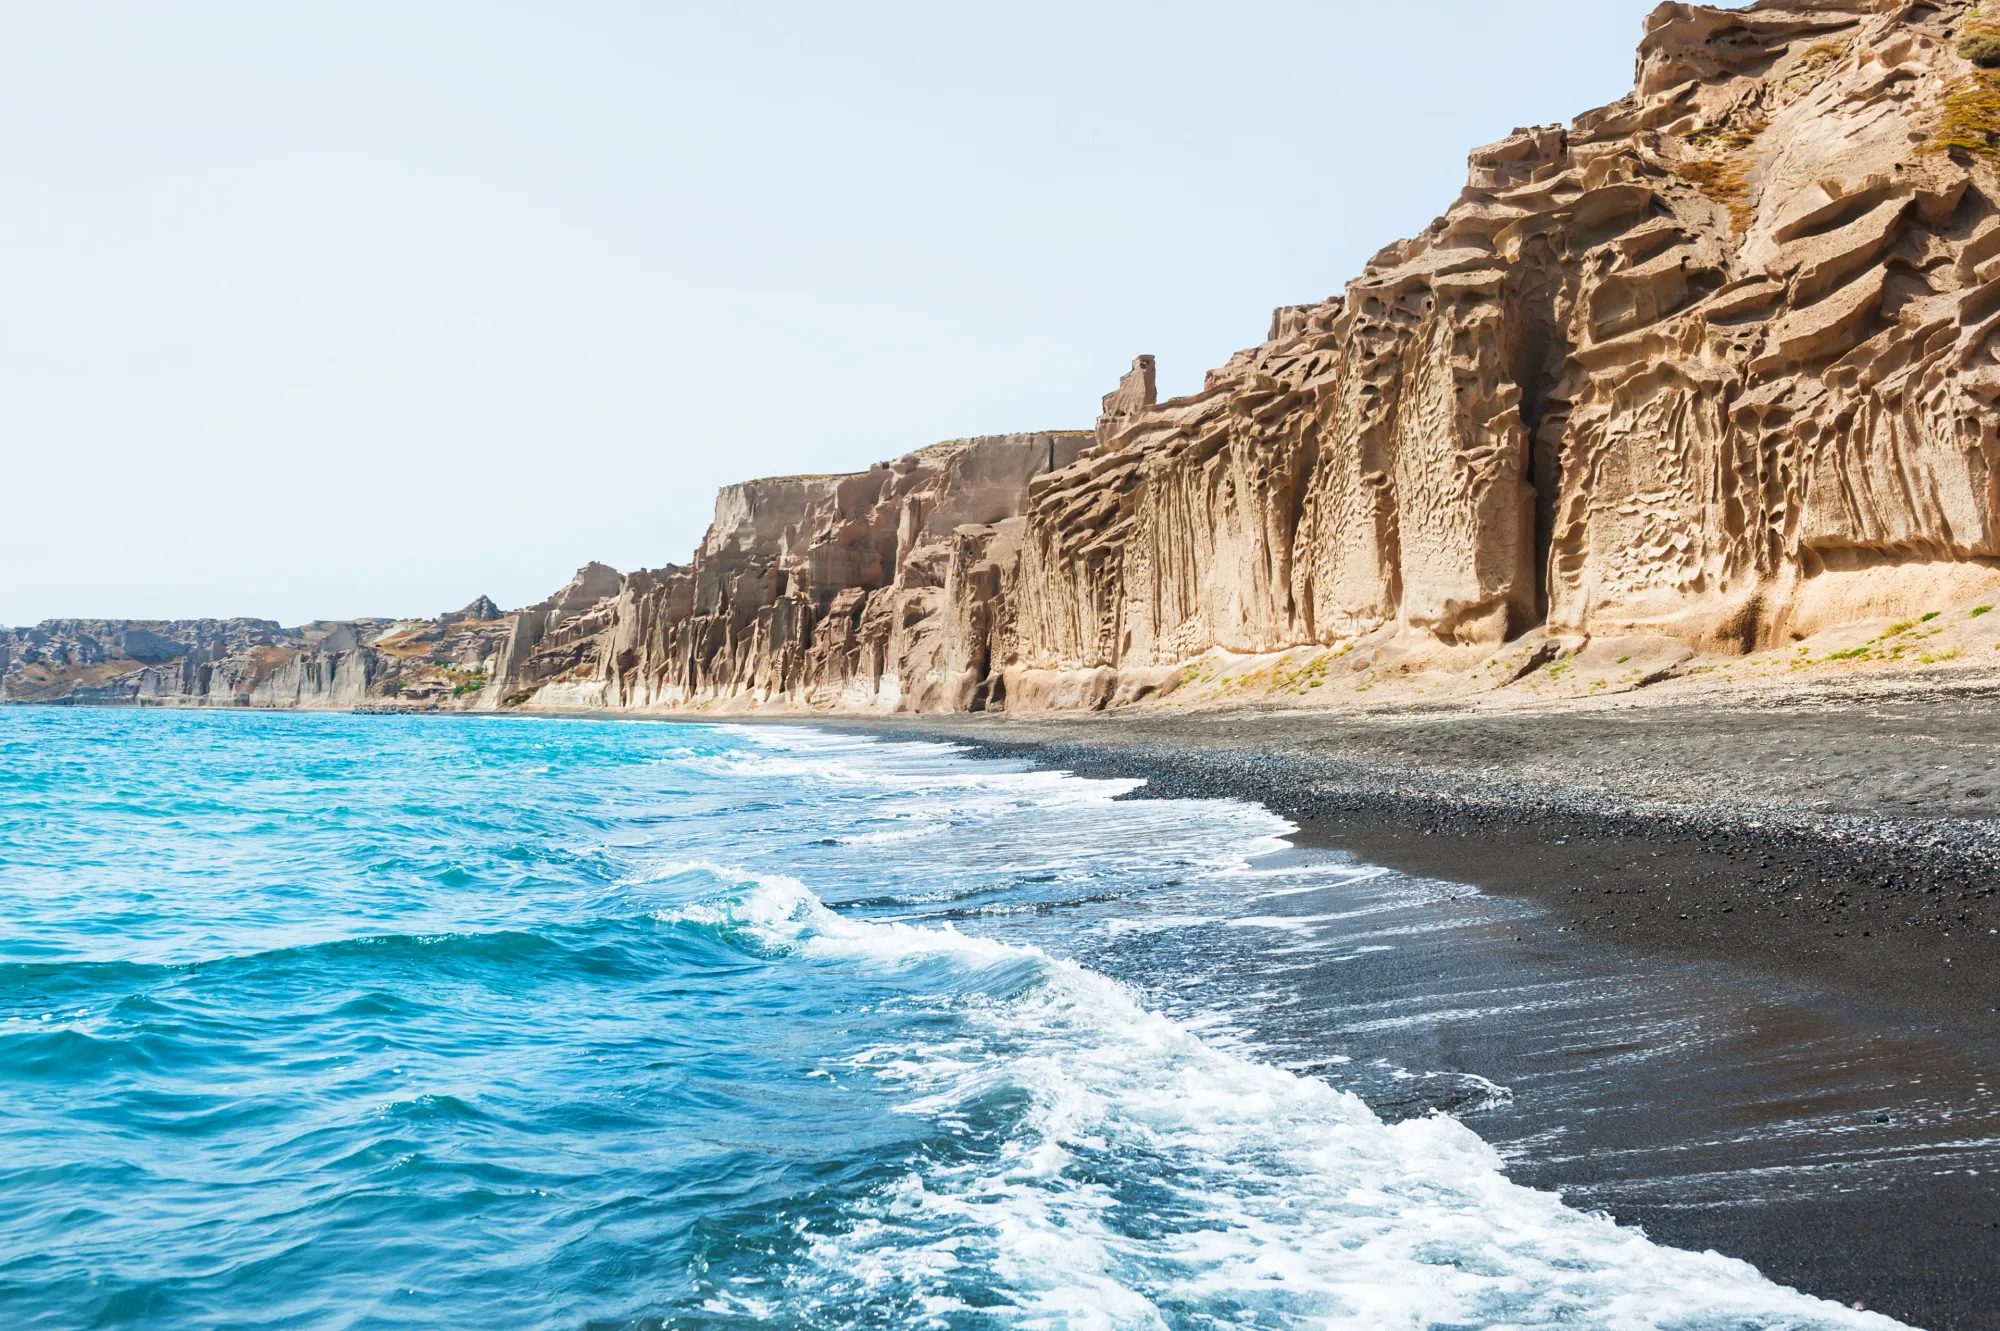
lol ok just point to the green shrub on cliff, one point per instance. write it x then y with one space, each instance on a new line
1979 39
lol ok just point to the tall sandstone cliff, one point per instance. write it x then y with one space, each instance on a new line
1712 369
1714 364
1716 360
871 591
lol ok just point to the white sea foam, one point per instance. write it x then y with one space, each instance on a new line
932 784
934 770
1154 1180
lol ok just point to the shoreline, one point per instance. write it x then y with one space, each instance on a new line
1800 843
1908 1235
1841 840
1839 918
1805 866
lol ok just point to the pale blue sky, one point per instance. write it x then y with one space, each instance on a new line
322 310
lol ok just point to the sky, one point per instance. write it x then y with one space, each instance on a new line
323 310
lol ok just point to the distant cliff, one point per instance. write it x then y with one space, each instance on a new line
1711 370
832 591
254 662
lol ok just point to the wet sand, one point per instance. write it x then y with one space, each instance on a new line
1809 878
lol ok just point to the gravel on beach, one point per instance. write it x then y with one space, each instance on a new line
1836 848
1842 840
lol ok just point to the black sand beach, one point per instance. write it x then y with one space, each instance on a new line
1814 872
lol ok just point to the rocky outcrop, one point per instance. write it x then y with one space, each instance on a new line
1709 370
555 640
1714 366
255 662
1715 362
830 591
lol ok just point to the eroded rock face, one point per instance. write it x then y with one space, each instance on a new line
254 662
1715 362
1712 366
849 591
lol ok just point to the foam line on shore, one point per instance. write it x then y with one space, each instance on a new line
1266 1191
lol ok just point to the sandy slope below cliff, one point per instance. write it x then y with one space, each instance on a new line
1885 749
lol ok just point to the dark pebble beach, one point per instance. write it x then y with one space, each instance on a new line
1827 860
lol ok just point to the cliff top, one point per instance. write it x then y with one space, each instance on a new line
942 449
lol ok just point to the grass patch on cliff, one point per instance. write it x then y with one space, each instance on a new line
1970 121
1820 55
1979 39
1730 138
1725 180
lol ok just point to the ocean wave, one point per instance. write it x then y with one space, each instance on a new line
551 1024
1149 1179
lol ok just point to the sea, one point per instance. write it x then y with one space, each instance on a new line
345 1021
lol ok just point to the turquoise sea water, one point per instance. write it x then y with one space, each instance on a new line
340 1021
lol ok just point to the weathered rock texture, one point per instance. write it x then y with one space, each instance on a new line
873 590
1714 365
1716 362
1712 368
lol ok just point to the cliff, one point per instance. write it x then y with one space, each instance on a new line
1707 374
870 591
834 591
254 662
1714 363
